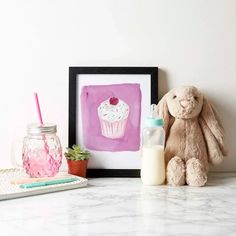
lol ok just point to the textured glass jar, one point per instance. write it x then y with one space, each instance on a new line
42 152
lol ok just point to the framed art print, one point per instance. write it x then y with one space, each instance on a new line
107 108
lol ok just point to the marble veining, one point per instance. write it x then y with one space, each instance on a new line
123 206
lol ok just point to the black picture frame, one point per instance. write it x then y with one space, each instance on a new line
73 74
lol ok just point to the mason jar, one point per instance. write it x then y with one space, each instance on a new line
42 152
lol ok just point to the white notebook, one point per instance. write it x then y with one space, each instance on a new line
8 190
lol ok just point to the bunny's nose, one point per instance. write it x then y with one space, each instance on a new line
184 103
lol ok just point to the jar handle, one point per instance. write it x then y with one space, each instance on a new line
16 154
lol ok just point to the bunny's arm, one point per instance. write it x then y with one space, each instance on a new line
215 154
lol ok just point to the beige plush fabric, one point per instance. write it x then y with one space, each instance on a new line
194 136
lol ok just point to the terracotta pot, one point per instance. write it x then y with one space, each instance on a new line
78 168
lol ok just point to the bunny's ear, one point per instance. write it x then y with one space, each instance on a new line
209 115
163 112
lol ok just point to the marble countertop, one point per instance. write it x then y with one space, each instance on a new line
123 206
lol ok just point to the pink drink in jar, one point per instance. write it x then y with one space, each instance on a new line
42 152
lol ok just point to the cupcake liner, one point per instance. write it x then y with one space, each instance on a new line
113 130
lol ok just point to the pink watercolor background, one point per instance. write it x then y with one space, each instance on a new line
91 97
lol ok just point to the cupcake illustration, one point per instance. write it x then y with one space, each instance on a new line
113 114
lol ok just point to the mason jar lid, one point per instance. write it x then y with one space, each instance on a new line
36 128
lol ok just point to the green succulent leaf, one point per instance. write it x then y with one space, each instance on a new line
77 153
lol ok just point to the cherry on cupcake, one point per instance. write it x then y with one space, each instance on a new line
114 101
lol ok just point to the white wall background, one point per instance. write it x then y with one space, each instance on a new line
191 41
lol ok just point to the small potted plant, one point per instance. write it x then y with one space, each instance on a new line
77 160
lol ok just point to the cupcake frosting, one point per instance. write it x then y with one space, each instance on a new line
110 112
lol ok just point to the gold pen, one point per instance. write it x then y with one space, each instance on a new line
32 180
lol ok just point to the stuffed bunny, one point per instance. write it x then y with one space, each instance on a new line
194 136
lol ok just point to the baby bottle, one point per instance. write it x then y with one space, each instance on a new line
153 140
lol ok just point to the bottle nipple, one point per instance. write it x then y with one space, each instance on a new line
153 119
153 112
